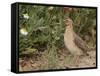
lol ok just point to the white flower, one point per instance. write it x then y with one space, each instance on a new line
23 31
54 17
50 8
53 32
57 38
26 16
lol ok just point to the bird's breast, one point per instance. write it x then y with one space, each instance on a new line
69 42
68 39
68 36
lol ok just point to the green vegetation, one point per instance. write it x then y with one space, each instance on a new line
42 28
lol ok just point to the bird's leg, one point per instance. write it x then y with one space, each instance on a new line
76 60
71 59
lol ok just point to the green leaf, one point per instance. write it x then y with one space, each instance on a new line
29 51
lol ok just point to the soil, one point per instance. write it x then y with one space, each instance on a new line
65 61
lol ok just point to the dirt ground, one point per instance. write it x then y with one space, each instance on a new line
65 61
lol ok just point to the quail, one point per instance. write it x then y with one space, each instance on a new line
74 44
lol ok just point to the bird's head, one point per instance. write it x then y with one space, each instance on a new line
68 22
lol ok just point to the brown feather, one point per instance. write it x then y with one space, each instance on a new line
80 43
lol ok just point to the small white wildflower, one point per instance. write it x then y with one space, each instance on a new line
50 8
23 31
26 16
54 17
34 6
53 32
57 38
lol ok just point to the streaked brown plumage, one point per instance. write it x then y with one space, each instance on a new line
73 42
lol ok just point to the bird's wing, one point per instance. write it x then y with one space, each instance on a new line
80 43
